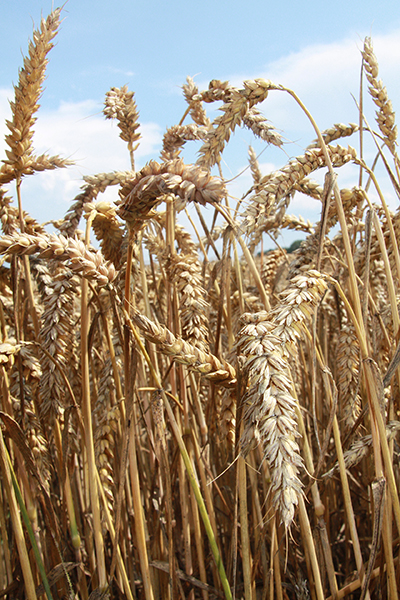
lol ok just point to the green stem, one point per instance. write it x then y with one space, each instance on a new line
188 465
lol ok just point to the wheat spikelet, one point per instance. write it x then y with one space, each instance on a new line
33 434
348 361
29 369
254 166
100 182
7 352
275 223
10 219
259 125
95 184
186 273
304 256
297 303
271 263
385 114
361 448
350 199
109 419
184 240
217 90
27 93
310 188
297 223
248 300
228 416
267 341
338 130
68 226
57 337
377 282
269 417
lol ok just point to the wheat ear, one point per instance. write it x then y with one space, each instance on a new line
267 341
120 104
234 111
385 114
146 189
20 159
90 264
204 363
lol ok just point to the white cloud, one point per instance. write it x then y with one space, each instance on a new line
324 76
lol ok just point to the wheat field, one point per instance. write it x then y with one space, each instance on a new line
182 415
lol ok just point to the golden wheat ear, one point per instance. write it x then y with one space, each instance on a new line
385 115
20 157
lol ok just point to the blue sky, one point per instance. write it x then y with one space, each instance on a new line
312 47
